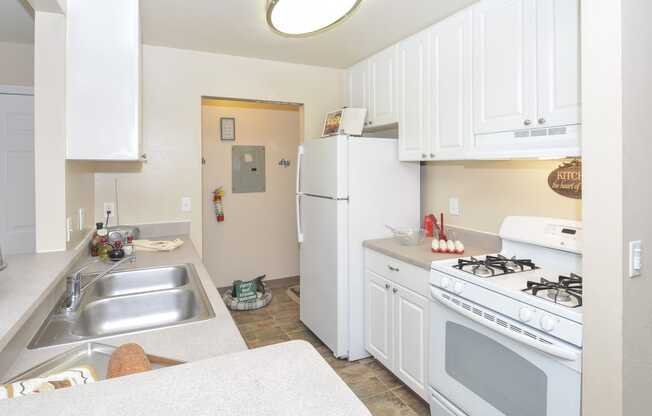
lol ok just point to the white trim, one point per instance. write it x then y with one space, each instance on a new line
16 90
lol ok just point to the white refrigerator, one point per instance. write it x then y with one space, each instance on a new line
348 188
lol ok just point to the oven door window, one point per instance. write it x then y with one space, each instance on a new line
488 369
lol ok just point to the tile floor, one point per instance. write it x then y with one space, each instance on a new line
379 389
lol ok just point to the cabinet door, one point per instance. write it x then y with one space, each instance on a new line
413 113
383 85
103 99
358 85
378 318
504 65
411 339
558 62
450 72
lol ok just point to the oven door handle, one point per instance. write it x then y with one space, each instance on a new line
554 350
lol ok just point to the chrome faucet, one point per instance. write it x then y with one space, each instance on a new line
74 288
3 263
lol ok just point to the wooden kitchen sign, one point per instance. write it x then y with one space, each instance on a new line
566 180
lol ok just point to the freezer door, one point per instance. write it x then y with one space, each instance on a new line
323 271
323 167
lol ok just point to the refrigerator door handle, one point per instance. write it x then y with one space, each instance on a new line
299 230
299 163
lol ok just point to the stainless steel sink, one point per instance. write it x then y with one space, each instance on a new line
127 302
141 280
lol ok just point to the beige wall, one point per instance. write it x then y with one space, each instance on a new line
17 66
602 388
49 131
80 193
637 204
174 81
491 190
259 234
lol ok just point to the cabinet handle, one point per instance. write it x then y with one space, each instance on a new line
395 290
542 120
423 155
432 155
386 285
392 268
527 122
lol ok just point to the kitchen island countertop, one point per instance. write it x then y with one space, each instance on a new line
283 379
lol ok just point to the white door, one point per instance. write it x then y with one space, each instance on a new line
17 218
504 65
411 331
324 167
450 72
322 264
558 47
383 68
379 315
358 76
413 111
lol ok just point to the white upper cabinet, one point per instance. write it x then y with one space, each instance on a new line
504 69
357 85
558 67
383 86
413 87
450 73
103 80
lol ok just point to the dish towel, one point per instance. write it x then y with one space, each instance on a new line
72 377
153 245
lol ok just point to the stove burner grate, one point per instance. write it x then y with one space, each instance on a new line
494 265
562 292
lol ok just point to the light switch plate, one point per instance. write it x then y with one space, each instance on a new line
186 204
454 205
68 229
82 219
635 258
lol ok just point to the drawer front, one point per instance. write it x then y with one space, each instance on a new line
399 272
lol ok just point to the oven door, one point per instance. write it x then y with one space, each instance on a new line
482 364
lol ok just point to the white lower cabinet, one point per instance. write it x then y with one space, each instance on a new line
396 327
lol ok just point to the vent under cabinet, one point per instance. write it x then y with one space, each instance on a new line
553 131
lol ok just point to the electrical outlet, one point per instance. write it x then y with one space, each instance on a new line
186 204
68 229
109 207
82 219
454 205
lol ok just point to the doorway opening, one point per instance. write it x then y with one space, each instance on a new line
249 149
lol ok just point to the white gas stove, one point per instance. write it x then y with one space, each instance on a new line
506 320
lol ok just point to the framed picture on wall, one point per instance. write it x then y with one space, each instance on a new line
227 129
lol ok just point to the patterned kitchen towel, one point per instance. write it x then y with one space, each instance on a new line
72 377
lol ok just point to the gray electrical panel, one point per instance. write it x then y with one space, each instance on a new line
248 169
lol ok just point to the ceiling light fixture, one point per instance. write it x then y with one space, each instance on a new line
301 18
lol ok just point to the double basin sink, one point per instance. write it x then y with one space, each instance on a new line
126 302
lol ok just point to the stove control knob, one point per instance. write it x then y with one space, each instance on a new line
445 282
525 314
547 323
458 287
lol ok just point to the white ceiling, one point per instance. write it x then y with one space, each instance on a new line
16 21
239 27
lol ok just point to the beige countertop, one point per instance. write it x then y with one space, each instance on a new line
221 376
188 342
25 283
282 379
475 244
